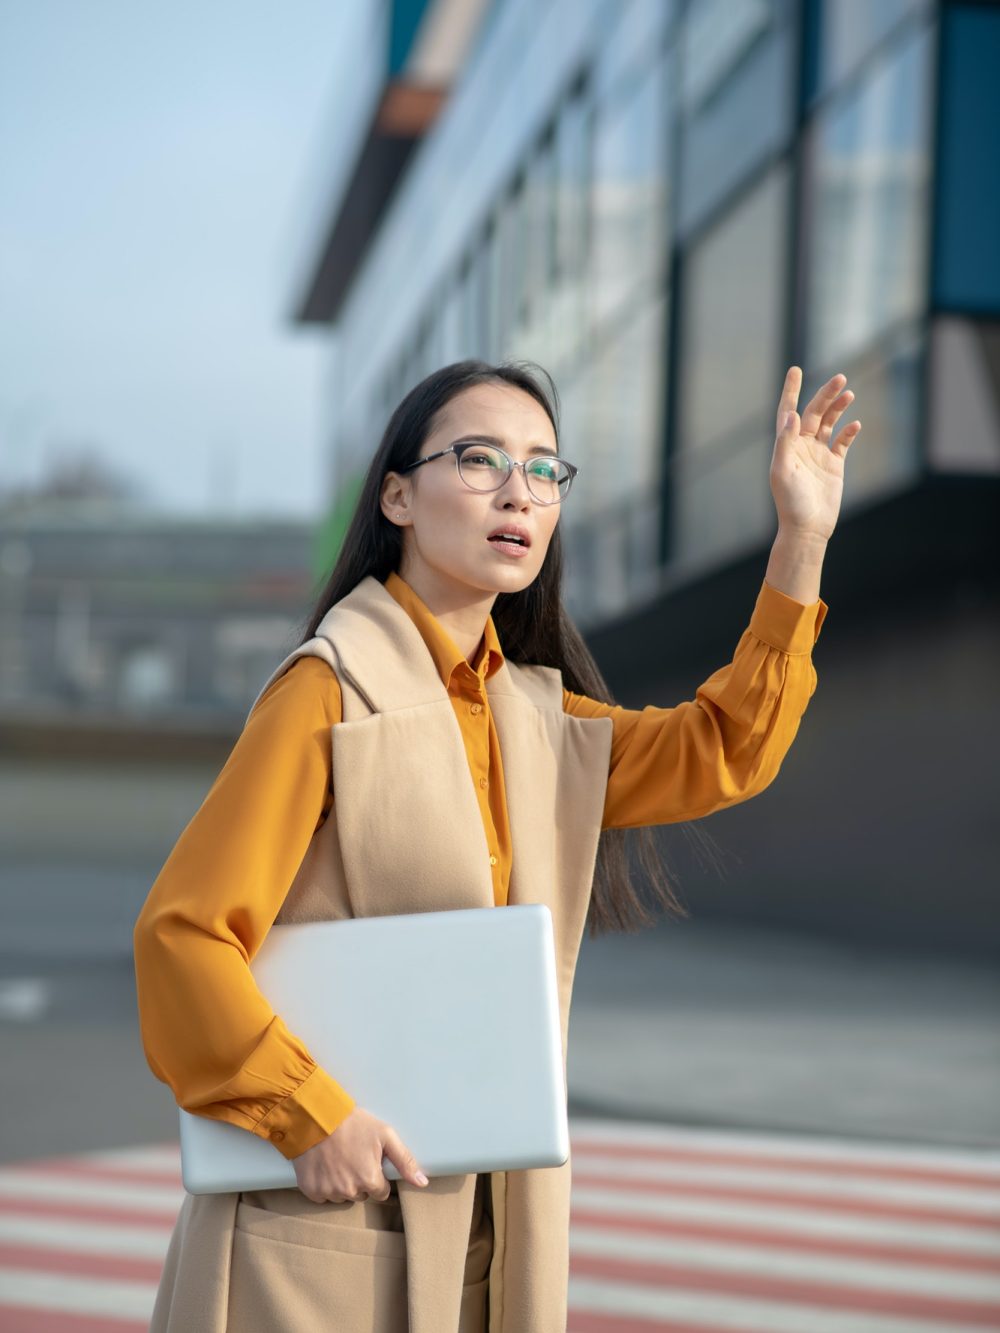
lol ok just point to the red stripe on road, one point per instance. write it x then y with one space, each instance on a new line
823 1202
14 1319
78 1210
792 1291
590 1321
38 1259
789 1241
985 1177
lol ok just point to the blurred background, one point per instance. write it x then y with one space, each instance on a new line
233 236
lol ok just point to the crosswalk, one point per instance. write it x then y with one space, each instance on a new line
673 1229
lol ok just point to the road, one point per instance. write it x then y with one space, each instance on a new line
672 1229
771 1133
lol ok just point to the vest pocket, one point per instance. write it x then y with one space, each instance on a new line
371 1227
290 1273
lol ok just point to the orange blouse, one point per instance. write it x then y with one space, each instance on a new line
207 1030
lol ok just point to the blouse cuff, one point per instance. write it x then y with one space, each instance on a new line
306 1116
784 623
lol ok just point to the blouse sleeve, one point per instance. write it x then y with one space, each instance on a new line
724 746
207 1030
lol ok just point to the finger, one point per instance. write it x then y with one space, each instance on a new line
789 400
819 403
789 426
845 439
833 414
401 1158
375 1182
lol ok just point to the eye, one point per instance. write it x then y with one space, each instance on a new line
483 458
545 468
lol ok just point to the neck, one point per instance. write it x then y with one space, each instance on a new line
462 611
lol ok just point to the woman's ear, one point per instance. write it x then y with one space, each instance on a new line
395 498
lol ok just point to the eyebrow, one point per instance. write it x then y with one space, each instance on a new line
495 439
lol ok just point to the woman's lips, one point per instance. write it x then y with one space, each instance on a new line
508 548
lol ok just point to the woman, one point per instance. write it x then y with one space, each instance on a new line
348 794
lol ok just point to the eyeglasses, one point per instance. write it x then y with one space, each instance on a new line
486 467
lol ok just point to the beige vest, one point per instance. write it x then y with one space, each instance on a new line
405 835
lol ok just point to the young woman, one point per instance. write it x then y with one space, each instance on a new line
441 738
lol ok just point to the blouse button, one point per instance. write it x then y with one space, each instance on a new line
493 860
483 782
277 1135
476 708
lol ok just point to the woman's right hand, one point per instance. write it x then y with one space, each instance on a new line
346 1166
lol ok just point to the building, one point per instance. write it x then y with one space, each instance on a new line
666 204
113 616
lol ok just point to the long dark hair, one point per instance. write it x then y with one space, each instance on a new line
532 625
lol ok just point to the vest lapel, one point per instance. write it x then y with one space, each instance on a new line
410 829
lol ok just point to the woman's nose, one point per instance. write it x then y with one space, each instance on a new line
515 488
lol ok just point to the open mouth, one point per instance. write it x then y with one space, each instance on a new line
505 537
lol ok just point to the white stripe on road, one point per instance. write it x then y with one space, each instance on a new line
836 1183
162 1158
76 1295
741 1314
800 1221
976 1162
25 1184
57 1233
730 1257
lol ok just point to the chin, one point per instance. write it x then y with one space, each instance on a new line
516 580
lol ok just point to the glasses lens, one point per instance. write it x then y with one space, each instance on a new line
483 467
548 479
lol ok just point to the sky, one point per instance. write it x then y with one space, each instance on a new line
160 166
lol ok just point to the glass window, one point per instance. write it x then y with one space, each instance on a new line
731 336
493 255
731 322
622 430
538 267
721 503
472 289
506 256
572 170
571 204
451 333
616 432
737 64
629 193
715 38
887 385
516 250
840 33
637 27
866 198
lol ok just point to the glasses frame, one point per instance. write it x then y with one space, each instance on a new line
459 448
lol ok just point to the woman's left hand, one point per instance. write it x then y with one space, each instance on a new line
807 474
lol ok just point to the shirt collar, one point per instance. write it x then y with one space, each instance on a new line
447 656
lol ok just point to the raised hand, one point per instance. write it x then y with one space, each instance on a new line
807 472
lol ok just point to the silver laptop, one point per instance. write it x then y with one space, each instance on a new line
444 1024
